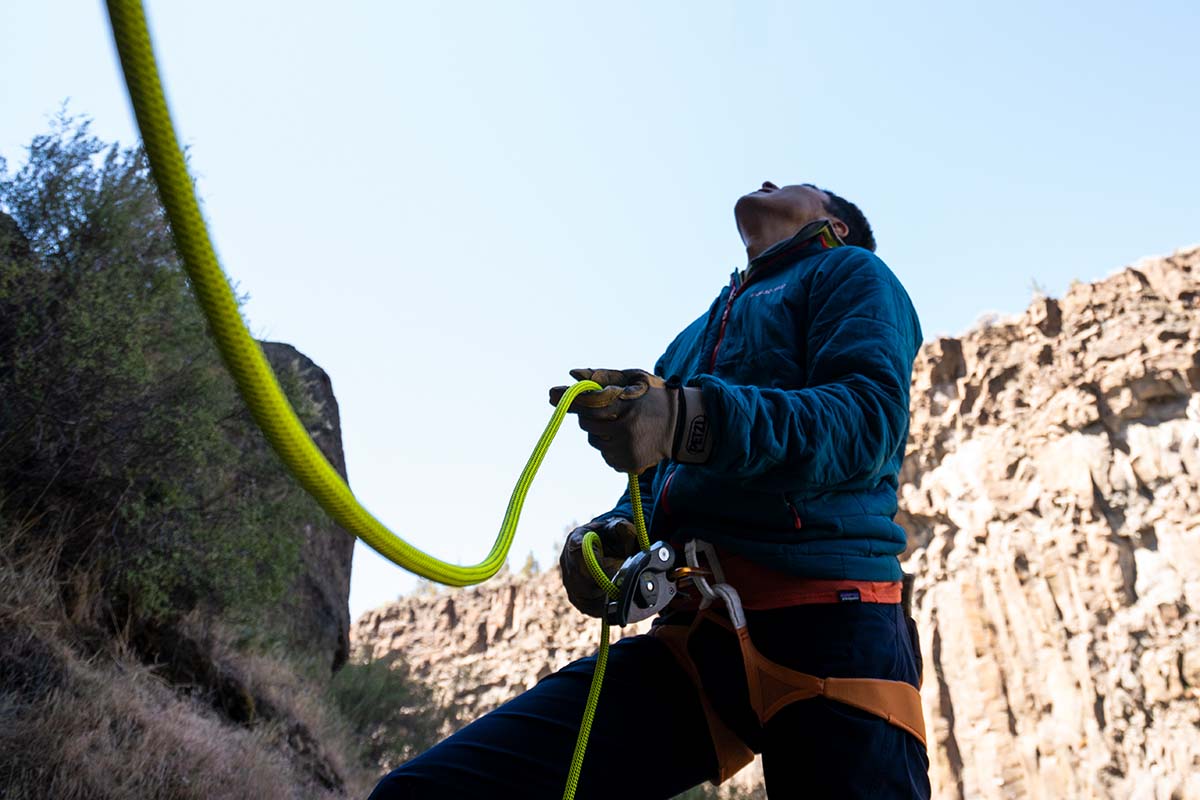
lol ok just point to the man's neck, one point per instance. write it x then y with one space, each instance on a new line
769 236
804 232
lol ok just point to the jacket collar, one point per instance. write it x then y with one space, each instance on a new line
814 237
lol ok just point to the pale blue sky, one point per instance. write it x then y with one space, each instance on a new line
448 205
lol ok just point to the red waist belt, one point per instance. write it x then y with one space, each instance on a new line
762 588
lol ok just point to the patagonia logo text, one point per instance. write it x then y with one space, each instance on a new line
696 435
772 290
849 596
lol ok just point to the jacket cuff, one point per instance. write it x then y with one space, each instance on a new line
695 436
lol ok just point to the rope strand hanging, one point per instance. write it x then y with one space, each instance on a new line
260 389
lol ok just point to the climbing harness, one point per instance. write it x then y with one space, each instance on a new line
771 686
649 580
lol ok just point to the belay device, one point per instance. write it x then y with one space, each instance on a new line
645 583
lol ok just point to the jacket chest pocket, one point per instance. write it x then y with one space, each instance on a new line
764 342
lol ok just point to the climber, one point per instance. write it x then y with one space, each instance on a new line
773 428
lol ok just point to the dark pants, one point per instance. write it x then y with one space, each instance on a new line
650 741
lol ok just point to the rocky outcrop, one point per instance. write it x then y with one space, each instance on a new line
1052 497
316 611
483 645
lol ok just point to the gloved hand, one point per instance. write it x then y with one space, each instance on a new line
618 539
638 419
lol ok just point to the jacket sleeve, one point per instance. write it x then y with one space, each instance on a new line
852 416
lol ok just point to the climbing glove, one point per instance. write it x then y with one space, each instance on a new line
638 419
618 539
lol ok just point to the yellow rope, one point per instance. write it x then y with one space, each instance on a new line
241 353
591 541
260 390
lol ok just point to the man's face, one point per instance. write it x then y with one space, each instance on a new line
773 210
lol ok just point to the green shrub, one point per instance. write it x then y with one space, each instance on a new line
116 415
391 714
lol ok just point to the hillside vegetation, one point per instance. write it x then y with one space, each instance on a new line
147 535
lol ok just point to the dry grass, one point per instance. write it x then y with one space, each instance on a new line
113 731
85 719
294 710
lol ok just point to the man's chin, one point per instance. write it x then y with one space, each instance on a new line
748 207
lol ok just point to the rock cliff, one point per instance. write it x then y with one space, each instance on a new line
480 646
317 611
1052 497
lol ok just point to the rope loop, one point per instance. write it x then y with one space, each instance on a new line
258 386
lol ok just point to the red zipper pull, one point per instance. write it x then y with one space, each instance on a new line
734 288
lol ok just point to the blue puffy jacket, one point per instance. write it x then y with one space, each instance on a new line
805 369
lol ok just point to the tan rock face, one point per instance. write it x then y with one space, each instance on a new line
483 645
1052 494
1052 498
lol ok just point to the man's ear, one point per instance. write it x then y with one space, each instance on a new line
840 228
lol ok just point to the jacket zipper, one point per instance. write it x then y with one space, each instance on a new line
796 521
663 502
734 290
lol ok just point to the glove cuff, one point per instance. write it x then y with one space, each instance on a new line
693 433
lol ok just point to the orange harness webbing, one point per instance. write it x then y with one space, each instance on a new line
774 686
732 753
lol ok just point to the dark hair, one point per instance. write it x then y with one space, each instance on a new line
860 233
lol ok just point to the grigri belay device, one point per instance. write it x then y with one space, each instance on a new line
646 584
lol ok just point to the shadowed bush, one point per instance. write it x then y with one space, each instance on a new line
115 412
391 715
147 533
